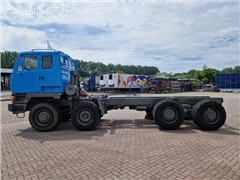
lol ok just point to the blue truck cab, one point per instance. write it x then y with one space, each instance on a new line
45 82
42 72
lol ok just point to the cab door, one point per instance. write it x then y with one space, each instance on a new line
49 75
26 74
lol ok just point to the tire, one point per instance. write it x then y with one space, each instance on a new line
194 112
209 115
168 114
85 116
149 112
100 115
45 117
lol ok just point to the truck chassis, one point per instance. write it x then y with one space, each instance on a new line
46 83
85 113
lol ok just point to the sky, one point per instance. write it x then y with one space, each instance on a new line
174 36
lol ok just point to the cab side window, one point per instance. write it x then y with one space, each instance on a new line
47 62
30 62
70 65
64 62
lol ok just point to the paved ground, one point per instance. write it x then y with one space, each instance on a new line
124 146
5 95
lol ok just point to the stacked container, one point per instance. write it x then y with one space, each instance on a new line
228 81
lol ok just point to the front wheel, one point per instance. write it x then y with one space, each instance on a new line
45 117
168 114
85 116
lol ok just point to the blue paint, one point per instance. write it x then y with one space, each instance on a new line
42 72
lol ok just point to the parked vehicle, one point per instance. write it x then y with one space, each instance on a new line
123 82
92 84
210 88
103 81
46 83
159 85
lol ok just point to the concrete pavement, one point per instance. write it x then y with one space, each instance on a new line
5 95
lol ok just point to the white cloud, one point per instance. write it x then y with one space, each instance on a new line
141 33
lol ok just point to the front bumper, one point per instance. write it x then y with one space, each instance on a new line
17 108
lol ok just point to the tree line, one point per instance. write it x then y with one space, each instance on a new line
8 59
206 74
89 68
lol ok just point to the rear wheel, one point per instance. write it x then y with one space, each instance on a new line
168 114
209 115
85 116
100 114
44 116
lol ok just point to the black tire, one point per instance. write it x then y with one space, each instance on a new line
194 112
209 115
168 114
100 114
149 112
85 116
45 117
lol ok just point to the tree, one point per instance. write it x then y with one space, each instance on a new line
209 74
227 70
217 71
191 72
183 75
237 69
158 73
8 59
198 75
118 67
83 73
169 74
120 72
111 68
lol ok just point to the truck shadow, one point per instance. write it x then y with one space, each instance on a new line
225 129
66 131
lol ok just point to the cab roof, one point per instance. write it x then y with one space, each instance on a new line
43 51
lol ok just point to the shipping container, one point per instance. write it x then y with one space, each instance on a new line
228 81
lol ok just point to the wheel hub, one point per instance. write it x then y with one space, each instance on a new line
85 117
169 115
210 115
43 117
